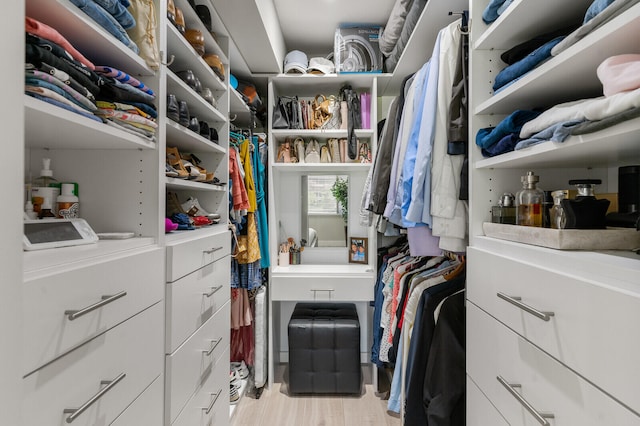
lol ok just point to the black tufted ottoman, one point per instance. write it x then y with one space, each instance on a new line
324 348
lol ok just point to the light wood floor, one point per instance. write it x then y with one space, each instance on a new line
276 408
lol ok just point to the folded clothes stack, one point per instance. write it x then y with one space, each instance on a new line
620 78
57 73
112 16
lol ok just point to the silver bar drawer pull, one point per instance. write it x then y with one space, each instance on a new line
545 316
209 351
75 412
77 313
213 291
540 417
212 250
208 409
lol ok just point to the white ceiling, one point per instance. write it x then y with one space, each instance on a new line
309 25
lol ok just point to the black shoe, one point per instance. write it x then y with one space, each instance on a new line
213 135
184 113
204 129
205 16
172 108
188 77
198 87
194 124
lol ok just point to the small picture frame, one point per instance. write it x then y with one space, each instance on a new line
358 250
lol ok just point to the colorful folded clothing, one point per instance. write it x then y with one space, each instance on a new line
131 109
124 78
124 116
63 106
40 29
38 78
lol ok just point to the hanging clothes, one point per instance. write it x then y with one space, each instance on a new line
261 210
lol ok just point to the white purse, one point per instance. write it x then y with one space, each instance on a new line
312 152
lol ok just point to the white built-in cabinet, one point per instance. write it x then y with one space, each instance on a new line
197 293
156 350
574 355
325 273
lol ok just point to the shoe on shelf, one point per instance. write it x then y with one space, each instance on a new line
194 124
205 16
188 77
196 162
207 95
180 24
183 110
171 11
173 205
241 368
176 162
192 205
172 108
194 173
170 171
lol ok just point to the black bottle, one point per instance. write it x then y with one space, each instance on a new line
585 211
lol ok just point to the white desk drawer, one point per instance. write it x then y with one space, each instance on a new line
210 404
194 360
593 324
318 288
480 412
133 348
192 300
494 350
48 332
146 409
187 255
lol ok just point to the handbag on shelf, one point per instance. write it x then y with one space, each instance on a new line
287 109
312 152
326 112
325 156
298 148
280 119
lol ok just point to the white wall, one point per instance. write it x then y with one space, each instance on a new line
11 122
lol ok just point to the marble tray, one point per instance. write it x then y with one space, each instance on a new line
566 239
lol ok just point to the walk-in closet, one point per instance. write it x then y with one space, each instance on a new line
305 213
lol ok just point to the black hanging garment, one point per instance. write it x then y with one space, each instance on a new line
354 120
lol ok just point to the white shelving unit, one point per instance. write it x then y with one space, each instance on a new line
66 360
197 294
565 358
325 273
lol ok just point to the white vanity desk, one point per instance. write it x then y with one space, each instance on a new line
314 282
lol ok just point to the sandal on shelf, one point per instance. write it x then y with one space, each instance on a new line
175 161
208 176
170 171
194 172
